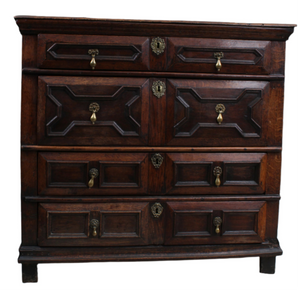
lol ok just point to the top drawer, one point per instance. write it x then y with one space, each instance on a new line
225 56
132 53
108 52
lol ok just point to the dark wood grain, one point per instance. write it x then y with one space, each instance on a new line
60 145
34 25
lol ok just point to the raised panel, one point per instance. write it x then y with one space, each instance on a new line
239 56
240 222
64 114
241 174
192 117
69 173
114 52
193 173
189 223
126 174
192 223
120 225
69 224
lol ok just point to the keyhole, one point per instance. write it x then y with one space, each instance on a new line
157 45
158 88
156 161
156 210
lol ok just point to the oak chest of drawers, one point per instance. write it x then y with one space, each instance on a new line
150 140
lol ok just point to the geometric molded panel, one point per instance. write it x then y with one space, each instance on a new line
241 173
68 224
120 225
240 222
117 174
67 173
190 223
192 174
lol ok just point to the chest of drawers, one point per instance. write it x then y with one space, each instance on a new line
150 140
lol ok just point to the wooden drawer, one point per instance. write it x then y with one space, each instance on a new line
120 224
72 52
239 56
69 173
216 173
195 222
193 111
65 108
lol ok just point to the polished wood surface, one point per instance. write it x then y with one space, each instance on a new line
171 181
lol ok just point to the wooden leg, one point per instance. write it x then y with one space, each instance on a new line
267 265
29 272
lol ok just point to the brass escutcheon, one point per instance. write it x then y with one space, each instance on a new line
93 53
158 88
157 160
158 45
94 225
217 172
93 174
218 56
157 209
217 224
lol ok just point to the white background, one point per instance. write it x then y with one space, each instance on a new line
199 274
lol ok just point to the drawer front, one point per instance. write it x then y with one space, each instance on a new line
215 222
93 224
237 56
75 52
92 173
216 173
217 113
92 111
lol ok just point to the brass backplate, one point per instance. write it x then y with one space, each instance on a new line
158 45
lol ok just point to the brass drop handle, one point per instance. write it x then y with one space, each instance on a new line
94 225
93 53
94 108
218 56
217 172
220 109
217 224
93 174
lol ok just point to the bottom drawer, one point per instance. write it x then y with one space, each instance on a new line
215 222
150 222
93 224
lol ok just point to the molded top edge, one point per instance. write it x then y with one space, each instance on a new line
155 21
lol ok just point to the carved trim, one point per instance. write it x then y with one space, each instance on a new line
225 59
198 125
75 123
135 52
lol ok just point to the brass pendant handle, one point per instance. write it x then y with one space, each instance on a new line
220 109
158 45
94 108
93 174
158 89
217 172
94 225
157 160
93 53
217 223
218 56
157 209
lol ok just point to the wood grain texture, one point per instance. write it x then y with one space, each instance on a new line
34 25
60 145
